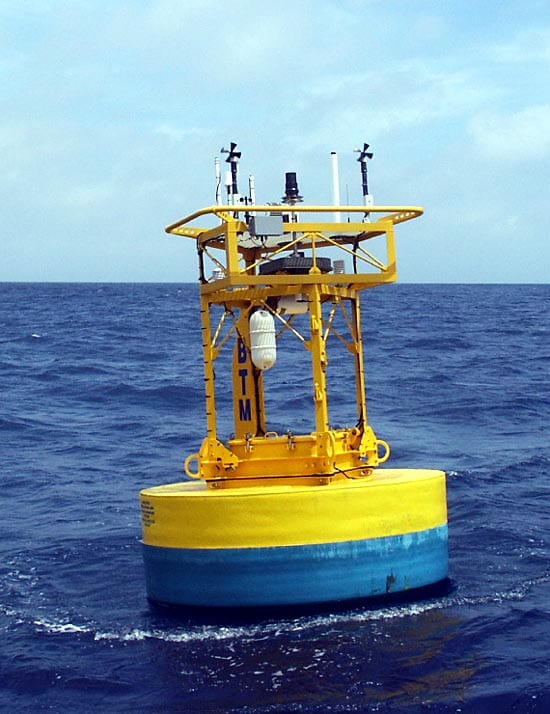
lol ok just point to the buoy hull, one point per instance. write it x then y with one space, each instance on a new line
291 575
286 545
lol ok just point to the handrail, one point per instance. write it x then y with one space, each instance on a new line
397 214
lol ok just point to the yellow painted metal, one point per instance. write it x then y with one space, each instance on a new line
247 279
390 502
395 214
248 401
209 376
319 361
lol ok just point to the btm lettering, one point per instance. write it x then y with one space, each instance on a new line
245 408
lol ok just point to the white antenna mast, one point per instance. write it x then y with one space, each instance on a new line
335 184
228 182
252 189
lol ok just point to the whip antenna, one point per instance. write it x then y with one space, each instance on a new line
218 181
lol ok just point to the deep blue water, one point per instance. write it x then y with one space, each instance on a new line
101 395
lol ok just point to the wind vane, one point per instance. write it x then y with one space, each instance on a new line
233 160
364 154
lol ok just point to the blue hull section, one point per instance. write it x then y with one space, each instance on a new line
291 575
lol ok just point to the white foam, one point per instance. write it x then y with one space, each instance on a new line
274 628
61 627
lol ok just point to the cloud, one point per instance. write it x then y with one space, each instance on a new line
523 135
408 95
528 46
180 134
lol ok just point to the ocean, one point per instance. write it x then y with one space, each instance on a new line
102 395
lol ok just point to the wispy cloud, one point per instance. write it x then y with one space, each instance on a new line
527 46
523 135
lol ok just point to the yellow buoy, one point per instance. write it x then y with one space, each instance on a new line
275 519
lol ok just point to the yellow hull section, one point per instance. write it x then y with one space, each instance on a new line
388 503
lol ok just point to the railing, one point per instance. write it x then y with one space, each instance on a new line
247 252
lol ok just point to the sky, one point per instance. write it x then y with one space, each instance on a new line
113 112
